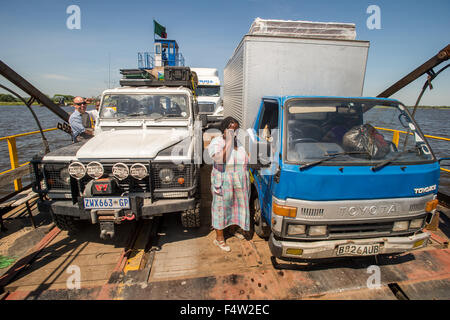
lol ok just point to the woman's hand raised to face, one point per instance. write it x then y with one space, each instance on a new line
229 135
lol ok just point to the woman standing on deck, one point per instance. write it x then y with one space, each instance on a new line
230 183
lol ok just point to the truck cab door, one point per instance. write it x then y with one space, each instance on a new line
266 127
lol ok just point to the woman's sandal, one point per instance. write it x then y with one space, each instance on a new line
222 245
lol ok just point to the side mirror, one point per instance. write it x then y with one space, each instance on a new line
195 107
404 116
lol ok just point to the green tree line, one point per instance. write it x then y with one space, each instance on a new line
56 98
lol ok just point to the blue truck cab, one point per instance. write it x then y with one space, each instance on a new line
341 176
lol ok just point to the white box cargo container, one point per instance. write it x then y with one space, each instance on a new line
280 64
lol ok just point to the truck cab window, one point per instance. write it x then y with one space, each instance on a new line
268 121
363 130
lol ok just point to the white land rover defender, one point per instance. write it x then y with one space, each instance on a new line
144 159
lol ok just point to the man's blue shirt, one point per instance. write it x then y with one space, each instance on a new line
76 124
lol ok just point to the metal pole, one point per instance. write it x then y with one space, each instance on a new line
24 85
443 55
109 70
14 159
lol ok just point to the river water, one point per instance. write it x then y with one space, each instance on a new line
18 119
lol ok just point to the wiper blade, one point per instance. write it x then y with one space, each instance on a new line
388 161
329 157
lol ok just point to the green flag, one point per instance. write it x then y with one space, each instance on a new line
159 30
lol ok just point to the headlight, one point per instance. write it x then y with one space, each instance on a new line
138 171
296 229
95 169
416 223
64 175
166 175
400 226
120 171
77 170
317 230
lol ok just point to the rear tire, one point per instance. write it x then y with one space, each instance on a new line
191 218
261 227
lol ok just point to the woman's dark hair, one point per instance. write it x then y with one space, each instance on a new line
226 122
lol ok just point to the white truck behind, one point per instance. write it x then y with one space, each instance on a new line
208 93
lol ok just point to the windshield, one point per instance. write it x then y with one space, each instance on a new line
154 106
361 132
209 91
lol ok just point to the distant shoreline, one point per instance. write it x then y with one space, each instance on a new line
34 104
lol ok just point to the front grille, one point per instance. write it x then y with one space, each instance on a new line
417 207
311 212
360 229
53 178
206 107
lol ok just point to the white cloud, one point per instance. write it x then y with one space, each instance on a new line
55 76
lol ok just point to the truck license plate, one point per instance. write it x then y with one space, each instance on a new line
358 249
107 203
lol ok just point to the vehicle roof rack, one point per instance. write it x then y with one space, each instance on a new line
159 76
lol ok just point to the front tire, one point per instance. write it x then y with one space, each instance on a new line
191 218
261 227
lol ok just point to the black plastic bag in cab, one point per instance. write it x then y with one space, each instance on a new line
365 138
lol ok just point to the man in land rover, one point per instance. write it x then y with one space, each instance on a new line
80 130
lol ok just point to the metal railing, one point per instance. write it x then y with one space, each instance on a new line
17 170
396 138
15 166
146 60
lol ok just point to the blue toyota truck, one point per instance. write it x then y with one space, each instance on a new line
334 173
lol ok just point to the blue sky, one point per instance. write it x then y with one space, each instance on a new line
38 45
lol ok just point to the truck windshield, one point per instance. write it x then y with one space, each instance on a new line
360 131
144 106
208 91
